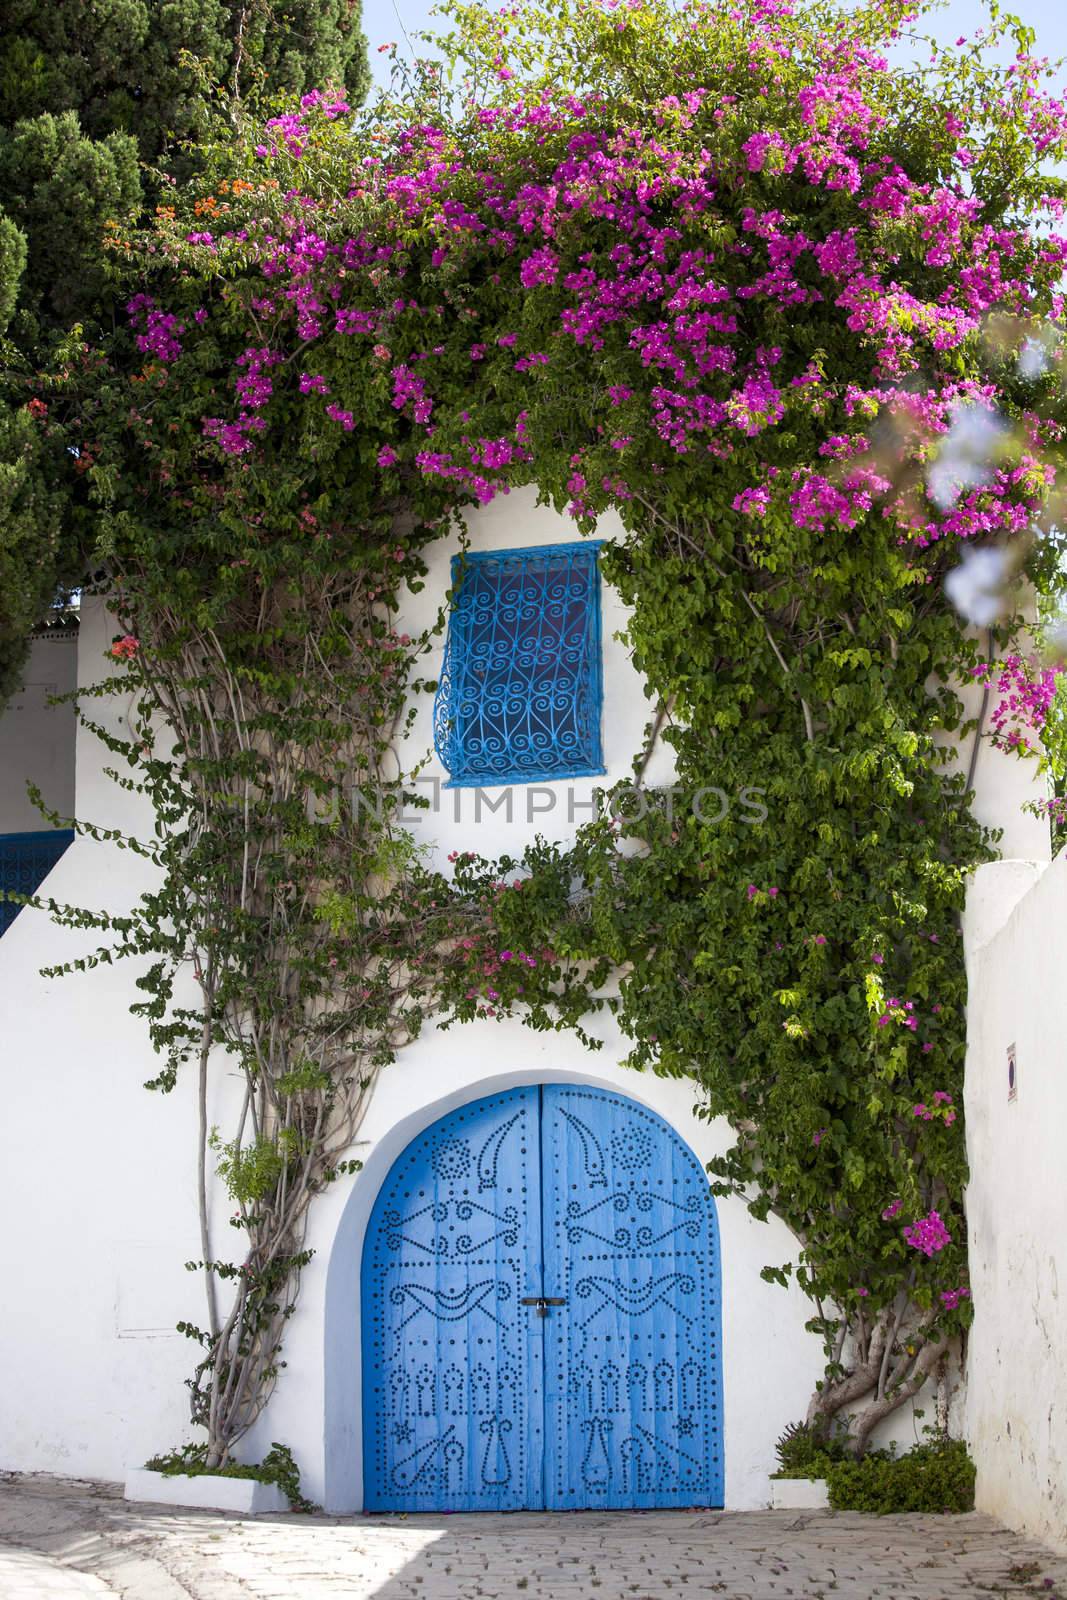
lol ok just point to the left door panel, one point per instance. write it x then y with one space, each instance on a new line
453 1362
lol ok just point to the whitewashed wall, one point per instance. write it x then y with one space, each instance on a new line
94 1367
37 738
1016 1406
98 1173
1004 784
93 1370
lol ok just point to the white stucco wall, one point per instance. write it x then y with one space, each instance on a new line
94 1371
1016 1404
37 738
98 1172
1003 783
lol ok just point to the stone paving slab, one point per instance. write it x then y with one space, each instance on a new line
57 1532
27 1575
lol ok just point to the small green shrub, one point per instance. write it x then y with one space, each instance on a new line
802 1453
932 1477
277 1467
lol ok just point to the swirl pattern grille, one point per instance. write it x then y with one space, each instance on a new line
520 691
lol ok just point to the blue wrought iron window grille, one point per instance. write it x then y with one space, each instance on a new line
520 693
26 859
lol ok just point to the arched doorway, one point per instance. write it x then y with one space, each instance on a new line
541 1312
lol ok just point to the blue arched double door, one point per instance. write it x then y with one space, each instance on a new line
540 1309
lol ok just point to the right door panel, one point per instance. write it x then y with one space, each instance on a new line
633 1404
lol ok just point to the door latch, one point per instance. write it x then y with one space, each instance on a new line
542 1302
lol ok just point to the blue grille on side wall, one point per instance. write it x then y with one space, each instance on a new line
520 692
26 859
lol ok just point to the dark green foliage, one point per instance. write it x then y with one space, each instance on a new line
89 91
932 1477
804 1453
31 525
12 266
94 98
62 188
119 63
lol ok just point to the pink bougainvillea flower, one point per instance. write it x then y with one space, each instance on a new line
928 1234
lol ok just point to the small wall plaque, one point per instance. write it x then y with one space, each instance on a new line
1013 1073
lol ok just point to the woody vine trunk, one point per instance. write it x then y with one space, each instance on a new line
309 929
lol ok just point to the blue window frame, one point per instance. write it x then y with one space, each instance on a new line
26 859
521 689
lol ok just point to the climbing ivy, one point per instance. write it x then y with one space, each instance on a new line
719 272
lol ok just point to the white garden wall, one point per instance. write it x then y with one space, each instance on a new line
1003 783
101 1174
1016 1407
97 1172
37 738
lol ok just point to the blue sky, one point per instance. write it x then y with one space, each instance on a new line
382 21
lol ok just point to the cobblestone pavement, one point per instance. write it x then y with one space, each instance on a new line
71 1540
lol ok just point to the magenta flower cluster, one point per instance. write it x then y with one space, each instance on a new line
928 1234
1026 690
254 386
901 1011
160 331
650 195
290 133
941 1107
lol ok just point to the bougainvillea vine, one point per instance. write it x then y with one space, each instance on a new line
724 276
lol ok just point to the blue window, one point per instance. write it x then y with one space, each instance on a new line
26 859
520 692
